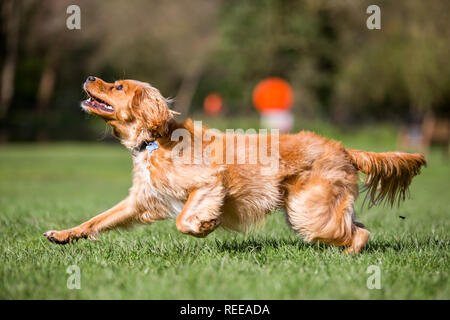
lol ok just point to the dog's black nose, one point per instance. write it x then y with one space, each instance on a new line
90 79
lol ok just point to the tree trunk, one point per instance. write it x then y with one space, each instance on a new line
46 90
186 92
11 23
47 82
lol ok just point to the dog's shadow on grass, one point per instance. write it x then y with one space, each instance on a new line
262 244
405 245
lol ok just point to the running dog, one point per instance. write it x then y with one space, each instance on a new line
315 181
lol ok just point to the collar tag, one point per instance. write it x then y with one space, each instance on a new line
151 146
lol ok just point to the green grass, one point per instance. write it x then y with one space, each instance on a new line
57 186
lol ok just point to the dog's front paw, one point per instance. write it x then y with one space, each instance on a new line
196 228
59 237
206 227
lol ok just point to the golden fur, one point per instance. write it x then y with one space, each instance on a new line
316 179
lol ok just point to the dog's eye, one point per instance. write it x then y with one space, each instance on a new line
119 87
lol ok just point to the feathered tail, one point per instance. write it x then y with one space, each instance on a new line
389 174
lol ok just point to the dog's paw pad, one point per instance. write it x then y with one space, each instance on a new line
56 237
209 225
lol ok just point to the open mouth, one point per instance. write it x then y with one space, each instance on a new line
94 102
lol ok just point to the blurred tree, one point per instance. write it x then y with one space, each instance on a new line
165 42
337 67
290 39
10 12
399 71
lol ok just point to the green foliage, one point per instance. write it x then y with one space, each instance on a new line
399 69
338 68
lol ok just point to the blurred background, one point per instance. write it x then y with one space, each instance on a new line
210 56
290 64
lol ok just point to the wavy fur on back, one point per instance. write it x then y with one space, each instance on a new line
389 174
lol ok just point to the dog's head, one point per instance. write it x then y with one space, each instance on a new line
136 111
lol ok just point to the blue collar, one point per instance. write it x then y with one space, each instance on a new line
151 146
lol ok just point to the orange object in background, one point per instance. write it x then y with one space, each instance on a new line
213 104
273 94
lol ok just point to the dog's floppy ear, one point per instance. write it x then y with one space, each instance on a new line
152 111
138 97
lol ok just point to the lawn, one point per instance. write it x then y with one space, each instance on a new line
53 186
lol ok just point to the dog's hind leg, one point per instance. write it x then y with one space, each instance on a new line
322 210
119 215
200 215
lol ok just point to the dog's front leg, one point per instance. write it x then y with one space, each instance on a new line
119 215
200 215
